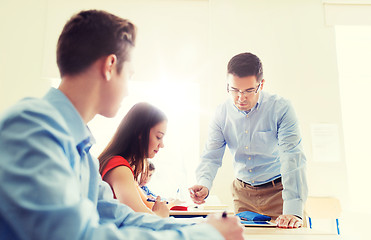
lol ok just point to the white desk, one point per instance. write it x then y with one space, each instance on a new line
259 233
263 233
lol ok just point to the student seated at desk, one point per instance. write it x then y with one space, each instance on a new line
145 178
138 137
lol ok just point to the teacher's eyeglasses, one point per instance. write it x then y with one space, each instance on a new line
235 91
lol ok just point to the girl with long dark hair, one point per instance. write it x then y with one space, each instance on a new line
138 137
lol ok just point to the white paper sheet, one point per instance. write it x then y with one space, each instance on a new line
325 142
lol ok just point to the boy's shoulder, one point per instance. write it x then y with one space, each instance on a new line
33 112
28 106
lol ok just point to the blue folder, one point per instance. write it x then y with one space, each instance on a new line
252 216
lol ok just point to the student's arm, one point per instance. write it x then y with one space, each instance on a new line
128 192
123 184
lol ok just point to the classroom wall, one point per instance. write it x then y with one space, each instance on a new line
290 37
22 26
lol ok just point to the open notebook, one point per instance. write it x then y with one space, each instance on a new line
258 224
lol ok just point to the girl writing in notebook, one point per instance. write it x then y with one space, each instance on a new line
138 137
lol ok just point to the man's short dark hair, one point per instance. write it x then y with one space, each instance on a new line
90 35
246 64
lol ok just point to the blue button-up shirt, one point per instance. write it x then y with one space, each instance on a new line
265 144
50 185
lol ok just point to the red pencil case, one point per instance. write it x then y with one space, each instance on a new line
179 208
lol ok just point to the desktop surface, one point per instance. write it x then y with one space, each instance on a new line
260 233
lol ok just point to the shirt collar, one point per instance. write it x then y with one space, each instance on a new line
78 129
252 109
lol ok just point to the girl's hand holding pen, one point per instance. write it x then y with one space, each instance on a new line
154 200
160 208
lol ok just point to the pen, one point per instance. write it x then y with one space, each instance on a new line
224 215
154 200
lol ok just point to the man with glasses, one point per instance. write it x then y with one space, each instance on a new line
262 133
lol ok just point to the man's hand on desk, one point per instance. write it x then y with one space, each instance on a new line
229 227
198 193
289 221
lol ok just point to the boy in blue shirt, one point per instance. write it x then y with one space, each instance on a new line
51 187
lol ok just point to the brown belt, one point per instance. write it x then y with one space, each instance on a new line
268 184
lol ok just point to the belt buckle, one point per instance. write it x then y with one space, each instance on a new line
273 183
